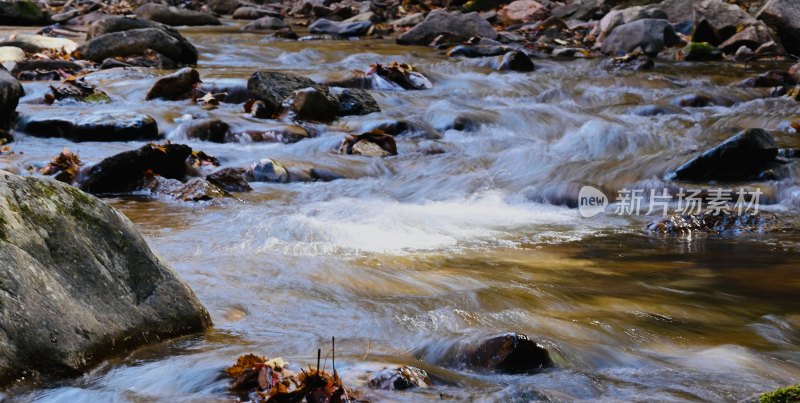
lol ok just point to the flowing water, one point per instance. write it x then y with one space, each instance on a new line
464 235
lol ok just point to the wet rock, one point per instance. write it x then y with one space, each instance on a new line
267 170
260 110
355 102
404 75
630 62
273 88
45 69
773 78
40 43
176 86
409 20
286 33
628 15
122 172
136 42
287 134
265 24
784 17
477 51
373 144
457 27
21 12
195 190
741 157
76 90
522 11
716 21
401 378
230 180
650 35
211 129
724 222
10 93
99 126
323 26
324 175
253 13
752 36
510 353
174 16
226 7
82 272
64 167
315 105
701 52
693 101
514 61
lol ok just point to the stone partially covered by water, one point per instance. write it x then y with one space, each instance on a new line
508 353
10 92
743 156
62 312
400 378
725 222
122 172
99 126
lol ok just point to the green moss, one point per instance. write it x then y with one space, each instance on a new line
28 9
704 47
789 394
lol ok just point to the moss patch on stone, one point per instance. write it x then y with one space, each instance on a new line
789 394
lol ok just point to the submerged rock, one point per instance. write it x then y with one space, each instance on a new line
80 283
211 129
230 180
724 222
10 93
508 353
122 172
266 23
194 190
136 42
267 170
400 378
456 27
100 126
174 16
514 61
373 144
176 86
344 29
741 157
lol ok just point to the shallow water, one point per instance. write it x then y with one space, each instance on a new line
464 235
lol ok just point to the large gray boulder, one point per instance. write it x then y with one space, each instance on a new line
457 27
10 93
784 17
616 18
715 21
78 283
650 35
137 41
174 16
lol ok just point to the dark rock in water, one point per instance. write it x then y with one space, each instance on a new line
514 61
5 137
693 101
227 7
76 90
100 126
510 353
273 88
286 33
314 105
44 69
120 24
650 35
265 24
741 157
176 86
355 102
324 175
174 16
701 52
230 180
136 42
401 378
267 170
253 13
81 272
211 129
21 12
121 173
774 78
373 144
630 62
349 29
456 26
260 110
477 51
235 92
194 190
287 134
784 17
10 93
724 222
716 21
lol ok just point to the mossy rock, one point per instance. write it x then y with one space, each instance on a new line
701 51
789 394
21 12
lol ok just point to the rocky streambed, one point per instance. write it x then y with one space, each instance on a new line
420 203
